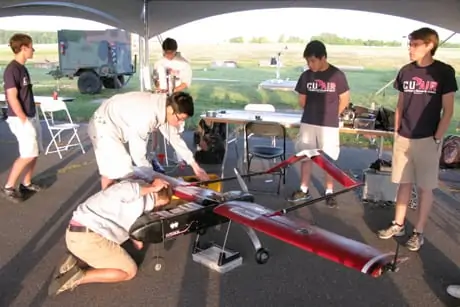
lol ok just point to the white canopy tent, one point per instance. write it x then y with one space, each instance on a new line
165 15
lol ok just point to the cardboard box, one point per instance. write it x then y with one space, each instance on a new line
216 186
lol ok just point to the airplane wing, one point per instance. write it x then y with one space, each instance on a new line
323 243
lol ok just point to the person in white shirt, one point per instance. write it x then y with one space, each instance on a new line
172 64
172 74
130 118
97 229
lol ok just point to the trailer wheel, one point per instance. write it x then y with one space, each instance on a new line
89 83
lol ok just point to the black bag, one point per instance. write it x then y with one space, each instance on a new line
210 142
385 119
381 165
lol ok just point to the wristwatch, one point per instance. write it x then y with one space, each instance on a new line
436 140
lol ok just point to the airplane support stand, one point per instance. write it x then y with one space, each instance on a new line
221 259
215 257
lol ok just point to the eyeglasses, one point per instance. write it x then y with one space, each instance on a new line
179 119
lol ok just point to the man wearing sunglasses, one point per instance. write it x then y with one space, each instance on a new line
130 118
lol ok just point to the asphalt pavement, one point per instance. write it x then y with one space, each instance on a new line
32 237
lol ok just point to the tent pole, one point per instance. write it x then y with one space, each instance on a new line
450 36
391 82
141 61
146 77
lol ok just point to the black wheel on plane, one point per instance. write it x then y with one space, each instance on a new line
262 256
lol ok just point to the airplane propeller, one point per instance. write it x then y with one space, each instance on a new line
241 182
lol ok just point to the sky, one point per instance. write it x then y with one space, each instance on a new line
271 23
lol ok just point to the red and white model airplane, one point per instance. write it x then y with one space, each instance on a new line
206 208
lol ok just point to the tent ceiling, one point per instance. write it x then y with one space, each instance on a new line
165 15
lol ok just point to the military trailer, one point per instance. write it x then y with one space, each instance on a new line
98 58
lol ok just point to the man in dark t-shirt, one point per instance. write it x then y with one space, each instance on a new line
323 95
425 107
22 118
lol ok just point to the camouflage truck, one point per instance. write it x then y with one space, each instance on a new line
97 58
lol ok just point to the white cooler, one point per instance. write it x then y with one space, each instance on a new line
378 186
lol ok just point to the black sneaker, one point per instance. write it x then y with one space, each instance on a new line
331 202
30 188
12 194
299 196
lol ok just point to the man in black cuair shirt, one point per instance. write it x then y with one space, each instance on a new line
21 118
323 94
425 107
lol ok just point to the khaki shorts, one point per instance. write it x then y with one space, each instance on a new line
113 160
28 135
416 161
98 252
319 137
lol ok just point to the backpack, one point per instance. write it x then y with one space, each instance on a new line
385 119
210 143
450 153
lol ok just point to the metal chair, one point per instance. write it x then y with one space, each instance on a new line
265 152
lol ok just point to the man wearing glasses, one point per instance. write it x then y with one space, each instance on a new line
425 107
130 118
22 118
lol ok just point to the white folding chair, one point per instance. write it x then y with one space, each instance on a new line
56 129
261 107
257 107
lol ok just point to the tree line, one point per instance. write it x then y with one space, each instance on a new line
40 37
328 38
37 36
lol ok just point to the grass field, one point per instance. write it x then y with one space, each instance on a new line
380 66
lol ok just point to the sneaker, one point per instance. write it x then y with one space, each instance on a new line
30 188
12 194
415 241
331 202
69 262
394 230
68 281
454 290
299 196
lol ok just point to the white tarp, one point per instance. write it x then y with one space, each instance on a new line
165 15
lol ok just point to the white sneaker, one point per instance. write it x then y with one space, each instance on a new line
454 290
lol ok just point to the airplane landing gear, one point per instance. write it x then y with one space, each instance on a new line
158 263
262 255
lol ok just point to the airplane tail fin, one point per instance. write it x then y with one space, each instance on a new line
321 159
317 156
